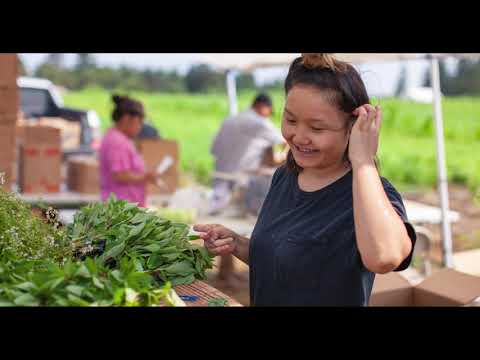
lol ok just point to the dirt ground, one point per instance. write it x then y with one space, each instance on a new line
465 232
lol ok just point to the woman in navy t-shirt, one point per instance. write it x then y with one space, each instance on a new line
329 222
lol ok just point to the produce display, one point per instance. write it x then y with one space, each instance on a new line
113 254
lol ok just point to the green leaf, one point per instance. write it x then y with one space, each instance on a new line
118 296
169 250
183 280
27 286
75 300
136 230
26 300
6 303
114 251
138 265
152 248
193 237
217 302
97 283
170 257
130 206
117 275
82 271
182 268
75 289
154 261
52 284
140 217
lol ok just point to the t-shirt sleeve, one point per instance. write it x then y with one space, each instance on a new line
270 133
397 203
119 158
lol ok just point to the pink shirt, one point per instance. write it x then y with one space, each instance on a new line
118 153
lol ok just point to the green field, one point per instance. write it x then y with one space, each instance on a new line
407 149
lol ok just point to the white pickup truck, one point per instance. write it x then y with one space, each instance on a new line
40 98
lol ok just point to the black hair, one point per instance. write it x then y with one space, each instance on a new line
126 106
263 99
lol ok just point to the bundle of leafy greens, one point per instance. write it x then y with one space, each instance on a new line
114 254
88 283
116 229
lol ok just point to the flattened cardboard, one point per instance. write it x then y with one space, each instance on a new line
446 287
153 152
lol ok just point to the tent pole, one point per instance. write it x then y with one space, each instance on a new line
232 92
441 164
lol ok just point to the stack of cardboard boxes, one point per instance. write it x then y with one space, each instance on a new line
9 107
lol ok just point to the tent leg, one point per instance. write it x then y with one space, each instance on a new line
441 165
232 92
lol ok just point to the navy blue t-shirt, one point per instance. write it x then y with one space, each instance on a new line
303 250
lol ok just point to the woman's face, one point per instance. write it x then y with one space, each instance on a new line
132 125
316 131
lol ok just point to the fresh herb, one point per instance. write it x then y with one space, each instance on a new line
27 236
117 229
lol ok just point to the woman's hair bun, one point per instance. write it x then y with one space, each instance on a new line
323 61
117 99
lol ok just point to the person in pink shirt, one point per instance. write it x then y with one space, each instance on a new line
122 170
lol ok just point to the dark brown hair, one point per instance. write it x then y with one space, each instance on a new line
339 81
126 106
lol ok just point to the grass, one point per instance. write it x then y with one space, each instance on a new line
407 146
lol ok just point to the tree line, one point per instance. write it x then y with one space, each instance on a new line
201 78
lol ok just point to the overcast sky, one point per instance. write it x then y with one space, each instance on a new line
380 78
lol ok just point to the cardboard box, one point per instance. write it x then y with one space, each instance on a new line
10 101
40 160
153 152
70 130
83 175
8 68
446 287
8 119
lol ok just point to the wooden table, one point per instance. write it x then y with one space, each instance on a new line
204 292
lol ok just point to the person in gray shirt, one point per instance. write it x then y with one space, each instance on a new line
240 145
238 148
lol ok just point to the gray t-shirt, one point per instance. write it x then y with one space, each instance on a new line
242 141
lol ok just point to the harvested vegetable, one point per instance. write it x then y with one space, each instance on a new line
45 283
117 229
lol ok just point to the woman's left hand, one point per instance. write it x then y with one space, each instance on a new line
365 135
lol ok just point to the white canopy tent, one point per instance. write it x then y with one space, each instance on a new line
247 62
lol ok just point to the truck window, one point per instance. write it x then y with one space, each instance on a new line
36 102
